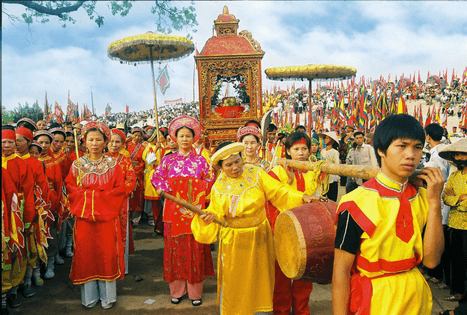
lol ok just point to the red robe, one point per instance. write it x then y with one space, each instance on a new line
42 205
55 180
70 158
17 179
130 182
136 156
96 205
61 159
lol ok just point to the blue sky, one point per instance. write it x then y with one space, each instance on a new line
377 38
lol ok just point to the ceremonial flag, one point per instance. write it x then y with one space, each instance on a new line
444 122
428 117
463 122
163 80
107 109
47 111
58 113
401 107
127 109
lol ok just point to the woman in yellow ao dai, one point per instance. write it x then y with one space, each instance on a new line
246 253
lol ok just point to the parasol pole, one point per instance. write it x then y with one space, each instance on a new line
155 100
310 122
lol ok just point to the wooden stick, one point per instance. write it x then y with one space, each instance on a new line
364 172
190 207
77 158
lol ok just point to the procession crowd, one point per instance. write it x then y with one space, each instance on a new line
77 191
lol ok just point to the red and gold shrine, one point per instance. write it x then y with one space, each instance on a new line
229 80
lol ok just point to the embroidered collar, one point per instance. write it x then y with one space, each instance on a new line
98 167
390 183
225 185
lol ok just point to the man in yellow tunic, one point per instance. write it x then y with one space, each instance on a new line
379 239
246 252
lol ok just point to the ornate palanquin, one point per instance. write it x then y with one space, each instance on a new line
232 59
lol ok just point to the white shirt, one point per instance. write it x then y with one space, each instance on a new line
443 165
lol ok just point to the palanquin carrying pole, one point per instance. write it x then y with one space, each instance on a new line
364 172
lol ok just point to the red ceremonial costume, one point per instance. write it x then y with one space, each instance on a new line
130 182
55 180
96 190
42 207
18 188
136 156
187 176
289 295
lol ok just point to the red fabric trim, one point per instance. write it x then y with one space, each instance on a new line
388 266
404 220
300 180
357 214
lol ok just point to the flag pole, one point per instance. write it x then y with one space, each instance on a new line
155 134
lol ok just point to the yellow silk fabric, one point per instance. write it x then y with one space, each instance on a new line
246 255
310 179
149 190
125 152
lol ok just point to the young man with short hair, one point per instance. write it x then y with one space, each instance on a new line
360 154
379 241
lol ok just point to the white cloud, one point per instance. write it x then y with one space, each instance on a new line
407 37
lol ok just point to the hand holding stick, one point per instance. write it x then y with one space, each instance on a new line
77 159
190 207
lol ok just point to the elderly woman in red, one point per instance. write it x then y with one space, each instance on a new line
96 189
115 146
186 175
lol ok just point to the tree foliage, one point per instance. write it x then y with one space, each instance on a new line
22 111
169 16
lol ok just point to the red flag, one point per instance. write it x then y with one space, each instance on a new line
428 117
127 109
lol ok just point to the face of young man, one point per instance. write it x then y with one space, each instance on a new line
272 136
401 159
359 139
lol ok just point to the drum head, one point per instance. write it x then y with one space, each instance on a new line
290 245
304 242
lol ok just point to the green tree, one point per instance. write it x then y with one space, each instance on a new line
7 116
27 111
169 17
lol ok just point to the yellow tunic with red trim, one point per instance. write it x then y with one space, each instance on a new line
245 278
304 181
385 279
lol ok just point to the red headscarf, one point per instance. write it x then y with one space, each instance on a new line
8 134
120 133
25 132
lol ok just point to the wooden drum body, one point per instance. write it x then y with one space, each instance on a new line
304 242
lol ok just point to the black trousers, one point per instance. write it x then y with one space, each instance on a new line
333 191
458 260
443 270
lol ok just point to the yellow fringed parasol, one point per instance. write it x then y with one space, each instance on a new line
147 48
311 72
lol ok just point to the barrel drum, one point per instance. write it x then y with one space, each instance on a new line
304 242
